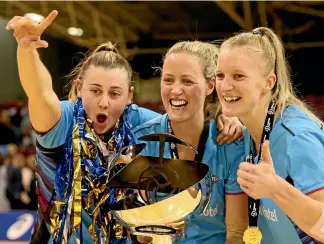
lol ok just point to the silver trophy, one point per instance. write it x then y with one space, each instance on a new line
165 191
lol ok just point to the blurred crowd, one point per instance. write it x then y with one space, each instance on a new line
17 159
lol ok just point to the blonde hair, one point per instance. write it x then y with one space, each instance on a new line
273 54
105 55
208 54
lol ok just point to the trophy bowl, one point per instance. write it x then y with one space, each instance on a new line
159 220
165 192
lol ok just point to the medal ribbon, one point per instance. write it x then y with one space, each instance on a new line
201 145
254 204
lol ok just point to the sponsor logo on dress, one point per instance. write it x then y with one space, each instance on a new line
269 214
211 212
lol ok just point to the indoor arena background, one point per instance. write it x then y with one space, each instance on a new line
144 31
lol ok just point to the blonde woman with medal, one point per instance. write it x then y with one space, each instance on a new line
75 137
284 141
187 91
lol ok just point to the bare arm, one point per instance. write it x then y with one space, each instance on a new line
44 106
305 210
260 180
236 218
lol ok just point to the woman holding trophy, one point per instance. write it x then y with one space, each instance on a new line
188 95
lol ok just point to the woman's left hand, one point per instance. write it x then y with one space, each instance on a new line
259 180
231 129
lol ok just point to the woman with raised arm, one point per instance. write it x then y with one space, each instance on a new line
71 161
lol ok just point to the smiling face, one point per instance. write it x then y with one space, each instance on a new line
240 84
184 87
105 94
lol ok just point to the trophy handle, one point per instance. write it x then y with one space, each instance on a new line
131 150
168 138
164 137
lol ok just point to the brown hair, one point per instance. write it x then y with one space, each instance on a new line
105 55
208 54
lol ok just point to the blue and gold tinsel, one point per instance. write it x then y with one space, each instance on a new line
80 182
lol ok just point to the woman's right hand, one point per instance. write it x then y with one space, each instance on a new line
28 32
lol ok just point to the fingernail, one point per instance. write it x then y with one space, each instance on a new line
12 25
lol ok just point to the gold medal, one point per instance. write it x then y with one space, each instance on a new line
252 235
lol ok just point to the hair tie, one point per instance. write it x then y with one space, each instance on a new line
257 32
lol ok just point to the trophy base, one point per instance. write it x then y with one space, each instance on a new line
162 239
160 234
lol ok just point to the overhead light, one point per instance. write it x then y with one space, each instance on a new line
73 31
35 17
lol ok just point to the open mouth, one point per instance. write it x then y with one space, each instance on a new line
178 103
231 99
101 118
